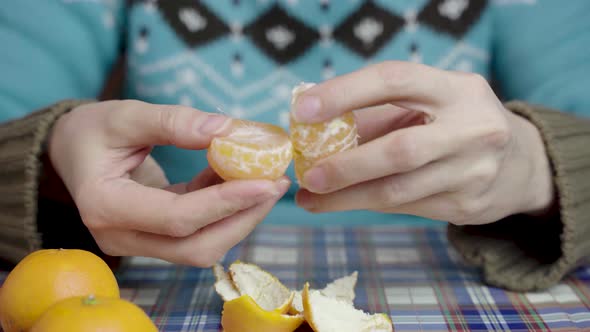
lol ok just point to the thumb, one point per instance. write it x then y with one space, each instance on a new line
135 123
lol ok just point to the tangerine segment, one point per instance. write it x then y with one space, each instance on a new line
301 165
312 142
251 151
319 140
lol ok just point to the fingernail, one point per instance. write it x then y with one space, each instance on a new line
283 185
214 124
315 179
266 190
307 108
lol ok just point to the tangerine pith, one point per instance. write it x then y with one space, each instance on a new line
251 150
315 141
254 150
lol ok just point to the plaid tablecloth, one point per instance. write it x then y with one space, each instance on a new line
409 272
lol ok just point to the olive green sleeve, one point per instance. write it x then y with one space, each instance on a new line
22 144
525 253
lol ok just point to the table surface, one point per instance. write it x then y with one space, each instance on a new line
409 272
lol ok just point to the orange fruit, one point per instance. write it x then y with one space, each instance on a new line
312 142
94 314
251 150
47 276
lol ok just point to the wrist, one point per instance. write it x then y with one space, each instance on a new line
540 194
51 185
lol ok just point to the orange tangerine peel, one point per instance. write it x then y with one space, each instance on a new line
326 310
254 300
245 315
264 288
328 314
224 286
341 289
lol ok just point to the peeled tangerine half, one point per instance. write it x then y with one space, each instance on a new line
328 314
312 142
251 150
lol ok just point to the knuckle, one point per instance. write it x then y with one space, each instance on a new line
485 172
117 118
403 153
178 228
332 91
392 74
469 208
226 204
167 121
498 134
206 257
392 192
92 221
477 83
224 209
228 201
109 247
336 173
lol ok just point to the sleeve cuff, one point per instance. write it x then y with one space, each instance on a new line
22 142
525 253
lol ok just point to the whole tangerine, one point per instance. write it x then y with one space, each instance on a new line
47 276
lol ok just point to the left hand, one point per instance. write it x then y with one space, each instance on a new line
475 163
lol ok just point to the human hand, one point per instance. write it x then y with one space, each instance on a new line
474 163
101 152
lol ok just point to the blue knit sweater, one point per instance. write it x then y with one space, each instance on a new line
242 57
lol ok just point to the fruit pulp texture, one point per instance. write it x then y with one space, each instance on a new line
251 151
312 142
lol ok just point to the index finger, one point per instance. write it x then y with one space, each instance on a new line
135 123
380 120
126 204
399 83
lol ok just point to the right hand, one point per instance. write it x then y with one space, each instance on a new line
101 152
